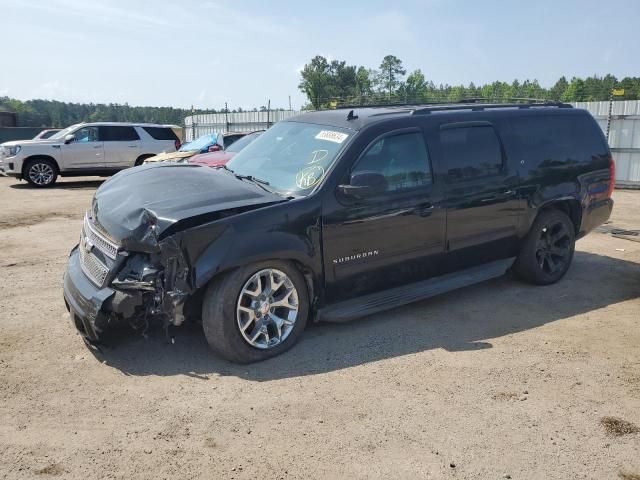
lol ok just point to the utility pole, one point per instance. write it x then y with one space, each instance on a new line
193 123
615 92
226 117
609 115
268 113
289 102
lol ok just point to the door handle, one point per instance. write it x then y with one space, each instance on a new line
132 146
98 146
500 196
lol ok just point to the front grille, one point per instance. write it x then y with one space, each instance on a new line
105 245
95 251
93 268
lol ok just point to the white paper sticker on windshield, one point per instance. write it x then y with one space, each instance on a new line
336 137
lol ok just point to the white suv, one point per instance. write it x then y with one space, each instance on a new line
86 149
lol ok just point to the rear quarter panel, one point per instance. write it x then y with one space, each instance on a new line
559 155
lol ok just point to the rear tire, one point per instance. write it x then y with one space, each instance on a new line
237 307
40 172
548 249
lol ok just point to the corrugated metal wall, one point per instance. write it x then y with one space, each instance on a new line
197 125
624 136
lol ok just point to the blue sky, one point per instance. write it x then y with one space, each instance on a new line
156 52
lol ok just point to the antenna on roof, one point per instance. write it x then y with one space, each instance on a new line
351 115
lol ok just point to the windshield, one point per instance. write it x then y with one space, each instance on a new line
292 156
62 133
243 142
199 143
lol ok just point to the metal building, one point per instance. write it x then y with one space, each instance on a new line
624 136
197 125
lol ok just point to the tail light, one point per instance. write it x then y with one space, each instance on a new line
612 176
177 144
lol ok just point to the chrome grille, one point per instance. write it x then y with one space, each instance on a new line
109 248
93 268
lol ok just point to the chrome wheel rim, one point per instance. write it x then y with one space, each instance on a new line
267 309
554 248
41 173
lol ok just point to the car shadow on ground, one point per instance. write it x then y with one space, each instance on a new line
462 320
66 185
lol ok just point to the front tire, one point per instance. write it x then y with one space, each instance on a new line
41 172
255 312
548 249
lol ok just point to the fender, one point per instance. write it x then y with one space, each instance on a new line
294 233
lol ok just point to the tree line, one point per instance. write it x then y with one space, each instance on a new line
51 113
332 83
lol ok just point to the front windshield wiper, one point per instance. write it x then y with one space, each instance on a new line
224 167
258 181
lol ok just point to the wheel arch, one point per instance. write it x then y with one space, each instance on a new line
570 206
29 159
142 158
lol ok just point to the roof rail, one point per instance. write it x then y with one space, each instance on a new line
465 103
486 106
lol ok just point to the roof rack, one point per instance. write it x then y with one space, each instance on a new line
473 103
486 106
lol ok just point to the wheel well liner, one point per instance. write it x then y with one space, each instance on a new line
571 207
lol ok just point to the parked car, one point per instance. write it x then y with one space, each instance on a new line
85 149
337 214
215 159
47 133
211 142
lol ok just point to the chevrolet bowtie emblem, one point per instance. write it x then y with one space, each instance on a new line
87 246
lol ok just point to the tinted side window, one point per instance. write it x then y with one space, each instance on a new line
230 139
161 133
118 134
86 134
471 152
554 140
402 159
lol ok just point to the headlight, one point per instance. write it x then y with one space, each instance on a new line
13 151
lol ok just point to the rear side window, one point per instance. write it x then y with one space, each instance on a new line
118 134
471 152
161 133
402 159
555 140
231 139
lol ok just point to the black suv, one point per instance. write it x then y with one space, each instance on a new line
337 214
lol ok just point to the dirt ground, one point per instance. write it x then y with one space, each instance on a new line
500 380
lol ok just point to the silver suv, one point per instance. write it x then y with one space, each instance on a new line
86 149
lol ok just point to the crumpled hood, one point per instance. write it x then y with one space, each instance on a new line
163 157
136 206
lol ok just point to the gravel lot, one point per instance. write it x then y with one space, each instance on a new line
500 380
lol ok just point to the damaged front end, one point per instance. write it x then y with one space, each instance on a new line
138 249
107 283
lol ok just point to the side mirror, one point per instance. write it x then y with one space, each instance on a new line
69 138
364 185
214 148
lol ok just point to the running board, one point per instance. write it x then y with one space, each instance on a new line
396 297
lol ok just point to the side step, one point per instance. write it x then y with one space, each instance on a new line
396 297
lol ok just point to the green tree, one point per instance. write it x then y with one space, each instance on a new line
390 73
316 81
414 88
343 80
557 91
363 82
